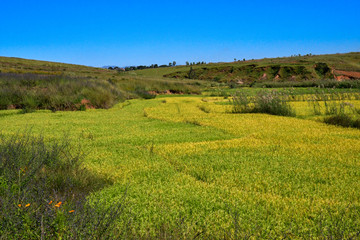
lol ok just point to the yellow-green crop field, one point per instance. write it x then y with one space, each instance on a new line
186 162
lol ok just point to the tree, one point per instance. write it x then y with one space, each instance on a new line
170 64
187 63
174 63
191 73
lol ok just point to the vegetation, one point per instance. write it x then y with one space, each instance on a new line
30 92
180 166
327 102
43 189
140 67
292 69
22 87
331 83
274 103
193 171
343 120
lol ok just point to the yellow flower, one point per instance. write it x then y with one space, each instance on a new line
19 205
27 205
58 204
50 202
71 211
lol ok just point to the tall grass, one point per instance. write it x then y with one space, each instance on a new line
270 102
43 192
59 92
327 83
30 92
332 105
343 120
326 102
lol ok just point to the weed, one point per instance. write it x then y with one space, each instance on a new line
343 120
43 192
204 108
273 102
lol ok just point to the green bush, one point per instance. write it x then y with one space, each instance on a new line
322 69
141 92
43 193
330 83
273 102
343 120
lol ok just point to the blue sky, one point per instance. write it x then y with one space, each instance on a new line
122 33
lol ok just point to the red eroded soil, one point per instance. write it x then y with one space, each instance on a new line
344 75
87 104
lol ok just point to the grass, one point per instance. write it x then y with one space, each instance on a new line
188 168
227 175
275 103
43 190
338 107
311 84
343 120
30 85
264 71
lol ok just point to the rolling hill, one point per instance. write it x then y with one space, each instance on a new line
299 68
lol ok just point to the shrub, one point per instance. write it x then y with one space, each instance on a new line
273 102
43 192
343 120
29 104
141 92
241 103
57 93
329 83
322 69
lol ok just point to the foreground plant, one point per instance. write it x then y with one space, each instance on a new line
44 192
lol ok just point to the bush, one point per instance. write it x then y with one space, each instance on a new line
273 102
141 92
330 83
343 120
322 69
241 103
43 191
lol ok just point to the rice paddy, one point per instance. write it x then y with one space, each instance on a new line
187 163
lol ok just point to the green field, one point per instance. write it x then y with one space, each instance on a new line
190 166
214 173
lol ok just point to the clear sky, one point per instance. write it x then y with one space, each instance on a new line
122 33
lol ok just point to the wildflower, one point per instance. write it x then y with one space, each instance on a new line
58 204
19 205
71 211
50 202
27 205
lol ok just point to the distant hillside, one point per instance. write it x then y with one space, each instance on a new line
300 68
128 83
31 84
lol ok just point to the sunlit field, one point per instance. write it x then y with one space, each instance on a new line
189 167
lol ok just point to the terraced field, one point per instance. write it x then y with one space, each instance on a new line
188 166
